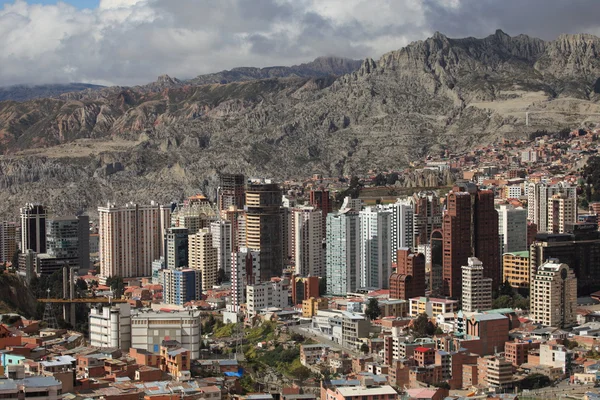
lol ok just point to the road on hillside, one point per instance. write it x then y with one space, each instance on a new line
310 333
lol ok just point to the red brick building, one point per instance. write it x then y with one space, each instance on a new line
409 279
516 352
470 229
424 356
321 200
303 288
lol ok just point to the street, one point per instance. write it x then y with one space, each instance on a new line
309 333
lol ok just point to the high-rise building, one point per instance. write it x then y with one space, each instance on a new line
402 226
287 232
375 247
476 288
110 327
580 250
304 288
538 200
436 273
237 219
68 238
231 191
427 216
342 259
8 241
321 200
515 269
512 228
203 256
554 295
222 241
176 244
129 239
470 229
409 279
562 212
33 228
246 271
263 226
165 222
181 285
308 241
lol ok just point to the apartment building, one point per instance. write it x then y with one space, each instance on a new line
343 327
476 288
203 257
431 306
111 326
274 293
554 295
516 269
181 285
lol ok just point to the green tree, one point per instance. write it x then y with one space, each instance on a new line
81 285
117 285
506 289
535 381
380 180
503 301
301 373
421 326
364 348
15 259
372 311
221 276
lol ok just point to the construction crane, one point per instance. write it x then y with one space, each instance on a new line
84 300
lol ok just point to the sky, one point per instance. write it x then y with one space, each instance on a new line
128 42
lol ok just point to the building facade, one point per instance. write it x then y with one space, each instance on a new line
181 285
129 239
69 239
427 216
554 295
562 212
8 241
409 279
375 247
223 241
342 260
265 295
538 200
111 327
476 288
401 226
245 272
307 237
512 228
202 256
232 189
515 269
33 228
176 244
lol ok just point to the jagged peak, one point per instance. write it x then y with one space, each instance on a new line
166 79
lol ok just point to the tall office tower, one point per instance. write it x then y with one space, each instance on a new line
436 273
181 285
165 222
237 219
580 250
231 191
321 200
512 228
222 241
538 199
342 261
287 233
308 241
8 241
203 257
554 295
476 288
129 239
562 211
428 216
470 229
303 288
176 245
375 247
351 204
263 226
402 226
33 228
409 279
246 271
69 239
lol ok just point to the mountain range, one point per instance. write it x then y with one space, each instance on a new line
172 137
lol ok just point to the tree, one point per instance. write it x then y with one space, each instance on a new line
506 289
372 311
221 276
535 381
364 348
503 301
81 285
420 325
116 285
392 178
380 180
301 373
15 259
322 286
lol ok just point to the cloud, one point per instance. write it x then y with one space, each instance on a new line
130 42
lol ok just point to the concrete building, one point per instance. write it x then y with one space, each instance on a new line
181 285
223 241
494 372
401 226
427 216
157 267
384 392
342 252
470 229
512 228
321 200
408 280
32 387
307 238
202 256
375 247
311 354
246 272
431 306
265 295
176 247
33 228
476 288
150 328
129 239
562 212
555 355
516 269
111 326
342 327
538 200
231 191
8 241
263 226
554 295
312 305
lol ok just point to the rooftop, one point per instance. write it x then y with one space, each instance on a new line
353 391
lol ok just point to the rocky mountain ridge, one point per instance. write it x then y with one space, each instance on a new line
171 138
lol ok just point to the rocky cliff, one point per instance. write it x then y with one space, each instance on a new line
170 138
